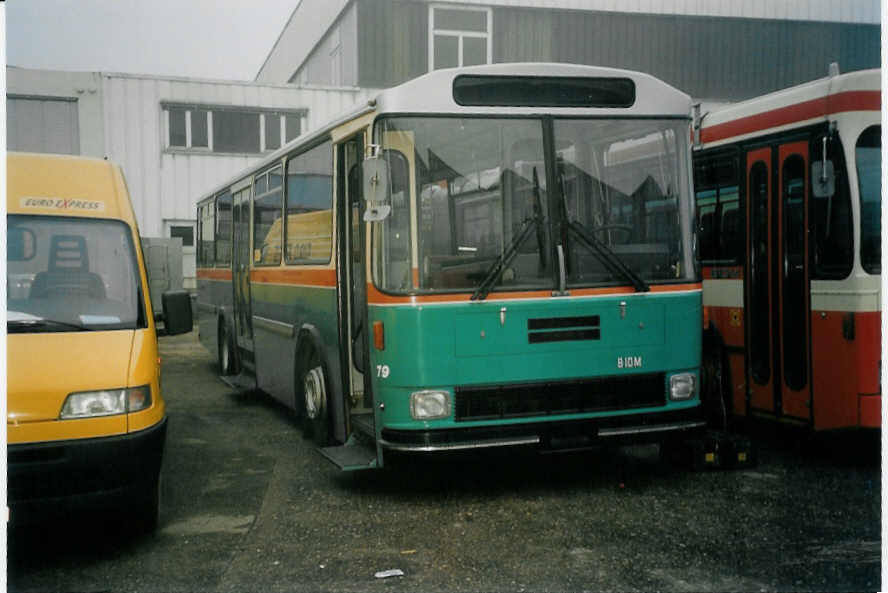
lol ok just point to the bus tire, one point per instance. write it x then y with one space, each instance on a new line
227 365
314 395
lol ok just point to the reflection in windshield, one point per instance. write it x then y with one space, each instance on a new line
474 194
73 275
621 182
868 154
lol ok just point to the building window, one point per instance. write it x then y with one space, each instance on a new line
186 233
229 130
459 37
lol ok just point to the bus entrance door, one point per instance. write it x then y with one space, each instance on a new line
240 273
360 450
778 294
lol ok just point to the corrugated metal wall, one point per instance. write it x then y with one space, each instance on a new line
707 57
393 43
711 58
165 185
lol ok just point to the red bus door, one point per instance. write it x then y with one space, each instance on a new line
778 294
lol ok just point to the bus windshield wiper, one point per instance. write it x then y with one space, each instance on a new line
505 258
607 256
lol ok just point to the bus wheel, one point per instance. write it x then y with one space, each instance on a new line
315 409
226 352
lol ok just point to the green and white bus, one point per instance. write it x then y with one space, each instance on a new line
490 256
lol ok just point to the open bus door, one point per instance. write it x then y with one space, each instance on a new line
360 450
778 293
240 273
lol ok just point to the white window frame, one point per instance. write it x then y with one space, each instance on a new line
188 146
267 116
460 35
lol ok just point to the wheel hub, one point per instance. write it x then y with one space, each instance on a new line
315 393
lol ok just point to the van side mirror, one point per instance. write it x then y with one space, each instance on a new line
177 317
823 179
377 188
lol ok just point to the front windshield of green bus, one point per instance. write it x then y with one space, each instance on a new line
71 274
473 210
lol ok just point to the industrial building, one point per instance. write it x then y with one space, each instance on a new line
179 137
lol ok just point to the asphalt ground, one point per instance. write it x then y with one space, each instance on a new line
249 505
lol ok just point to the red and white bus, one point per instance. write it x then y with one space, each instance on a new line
788 197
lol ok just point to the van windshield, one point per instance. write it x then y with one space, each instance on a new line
71 274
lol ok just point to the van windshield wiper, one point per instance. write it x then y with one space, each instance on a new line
33 324
505 258
607 256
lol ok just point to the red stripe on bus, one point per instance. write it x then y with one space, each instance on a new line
325 278
820 107
375 297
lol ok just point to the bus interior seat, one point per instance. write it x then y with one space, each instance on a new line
68 272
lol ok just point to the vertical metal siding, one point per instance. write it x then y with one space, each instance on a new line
166 185
392 42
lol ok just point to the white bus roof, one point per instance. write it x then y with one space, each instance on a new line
793 107
432 93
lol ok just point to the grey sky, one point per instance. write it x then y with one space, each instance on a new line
225 39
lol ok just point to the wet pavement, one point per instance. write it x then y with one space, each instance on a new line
248 505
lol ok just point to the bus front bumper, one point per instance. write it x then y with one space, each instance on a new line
550 435
55 479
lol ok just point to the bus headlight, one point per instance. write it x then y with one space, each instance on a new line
682 386
90 404
429 405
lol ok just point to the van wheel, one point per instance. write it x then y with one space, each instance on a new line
315 407
226 352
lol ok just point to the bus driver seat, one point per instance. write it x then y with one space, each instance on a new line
68 273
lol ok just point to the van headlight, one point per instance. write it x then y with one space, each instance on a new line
682 386
429 405
108 402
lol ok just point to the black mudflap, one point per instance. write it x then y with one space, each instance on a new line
711 450
356 454
736 451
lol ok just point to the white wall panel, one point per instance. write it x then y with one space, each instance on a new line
165 185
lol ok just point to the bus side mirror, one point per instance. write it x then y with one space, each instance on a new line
823 179
177 317
375 173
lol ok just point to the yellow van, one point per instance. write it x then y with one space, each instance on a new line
85 421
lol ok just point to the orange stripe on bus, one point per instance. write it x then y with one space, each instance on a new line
325 277
211 274
376 297
820 107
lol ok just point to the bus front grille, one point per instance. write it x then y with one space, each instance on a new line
488 402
